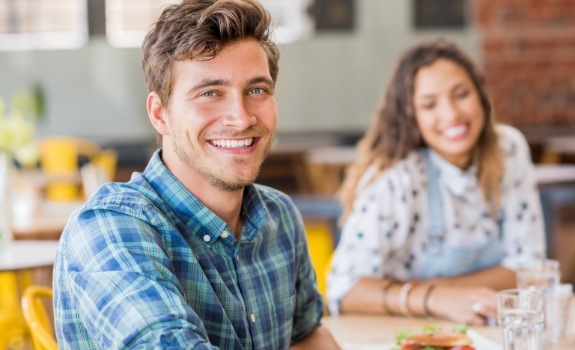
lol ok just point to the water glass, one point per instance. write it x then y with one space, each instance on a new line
521 317
561 295
544 275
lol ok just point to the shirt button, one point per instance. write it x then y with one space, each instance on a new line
224 234
253 318
207 238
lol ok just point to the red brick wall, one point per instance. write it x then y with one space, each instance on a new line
528 51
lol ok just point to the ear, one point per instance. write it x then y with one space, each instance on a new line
157 113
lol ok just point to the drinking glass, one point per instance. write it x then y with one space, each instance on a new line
521 317
561 295
543 274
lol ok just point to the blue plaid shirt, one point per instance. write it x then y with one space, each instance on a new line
145 265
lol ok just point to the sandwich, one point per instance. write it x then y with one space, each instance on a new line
437 341
433 338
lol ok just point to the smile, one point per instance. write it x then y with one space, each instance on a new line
455 131
232 143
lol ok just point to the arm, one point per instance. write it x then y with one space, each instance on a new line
450 298
320 338
116 287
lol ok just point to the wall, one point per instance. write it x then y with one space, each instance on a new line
331 82
528 47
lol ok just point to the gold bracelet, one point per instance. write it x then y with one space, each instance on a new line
403 294
385 285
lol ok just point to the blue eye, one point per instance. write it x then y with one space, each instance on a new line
257 91
208 94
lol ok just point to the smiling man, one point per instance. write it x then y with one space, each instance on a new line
190 254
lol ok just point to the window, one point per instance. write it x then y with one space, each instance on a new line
128 21
46 24
291 19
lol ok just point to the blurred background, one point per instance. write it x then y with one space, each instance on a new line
75 67
73 116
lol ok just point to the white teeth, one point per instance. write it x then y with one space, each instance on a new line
232 143
454 131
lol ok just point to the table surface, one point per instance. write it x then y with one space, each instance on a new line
360 331
22 255
47 222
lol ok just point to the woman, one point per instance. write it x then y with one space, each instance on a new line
441 204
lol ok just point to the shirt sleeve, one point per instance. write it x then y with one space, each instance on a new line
376 227
523 227
119 279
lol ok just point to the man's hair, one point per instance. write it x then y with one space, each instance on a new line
200 29
394 132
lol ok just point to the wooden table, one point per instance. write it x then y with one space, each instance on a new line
24 255
355 332
46 222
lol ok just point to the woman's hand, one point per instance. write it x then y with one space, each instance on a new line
471 305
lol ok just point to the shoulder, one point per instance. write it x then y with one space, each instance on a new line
511 141
402 175
128 198
275 200
116 207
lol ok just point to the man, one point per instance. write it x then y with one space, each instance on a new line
189 253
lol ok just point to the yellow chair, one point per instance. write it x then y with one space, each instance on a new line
321 246
107 161
13 330
59 158
34 304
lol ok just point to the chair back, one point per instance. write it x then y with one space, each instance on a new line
321 246
34 303
59 156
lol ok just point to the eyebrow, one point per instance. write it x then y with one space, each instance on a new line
208 82
222 82
261 79
454 87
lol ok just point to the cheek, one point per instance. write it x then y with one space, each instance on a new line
268 114
425 123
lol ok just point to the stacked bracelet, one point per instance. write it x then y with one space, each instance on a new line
403 296
426 300
385 285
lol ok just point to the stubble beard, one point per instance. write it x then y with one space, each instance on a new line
216 176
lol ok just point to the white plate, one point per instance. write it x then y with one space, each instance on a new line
479 343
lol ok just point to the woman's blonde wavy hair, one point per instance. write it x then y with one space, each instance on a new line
393 132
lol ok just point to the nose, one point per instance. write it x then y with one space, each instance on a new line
238 114
448 110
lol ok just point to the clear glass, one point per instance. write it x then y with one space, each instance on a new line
521 317
561 295
544 275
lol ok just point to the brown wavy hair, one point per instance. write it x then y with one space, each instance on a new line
394 133
200 29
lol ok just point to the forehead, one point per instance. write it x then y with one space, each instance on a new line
442 74
237 60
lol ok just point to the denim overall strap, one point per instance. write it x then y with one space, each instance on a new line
443 259
436 227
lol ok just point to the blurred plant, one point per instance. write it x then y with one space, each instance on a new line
18 125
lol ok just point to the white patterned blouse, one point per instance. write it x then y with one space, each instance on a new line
386 235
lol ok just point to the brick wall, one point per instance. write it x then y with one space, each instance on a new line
528 51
